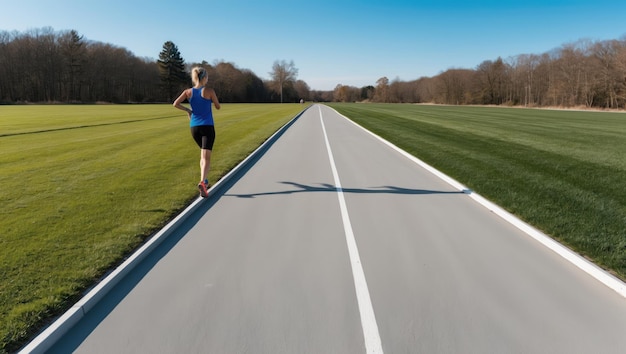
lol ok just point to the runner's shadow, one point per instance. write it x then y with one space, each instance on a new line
325 187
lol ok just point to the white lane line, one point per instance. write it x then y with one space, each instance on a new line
368 319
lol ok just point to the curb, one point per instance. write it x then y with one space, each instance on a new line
46 339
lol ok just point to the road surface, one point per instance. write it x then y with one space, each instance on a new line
333 242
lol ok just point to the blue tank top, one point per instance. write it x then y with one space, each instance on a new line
201 108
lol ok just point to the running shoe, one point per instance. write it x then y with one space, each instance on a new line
203 187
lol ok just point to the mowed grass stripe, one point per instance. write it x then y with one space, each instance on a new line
564 172
15 120
76 200
47 130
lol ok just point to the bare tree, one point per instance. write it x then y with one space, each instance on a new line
283 73
493 77
425 89
343 93
611 83
340 93
526 66
382 90
452 87
569 69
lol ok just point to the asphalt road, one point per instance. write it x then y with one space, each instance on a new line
333 242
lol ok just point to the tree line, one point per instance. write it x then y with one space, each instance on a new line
42 65
46 66
580 74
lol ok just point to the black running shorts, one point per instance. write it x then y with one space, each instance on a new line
204 135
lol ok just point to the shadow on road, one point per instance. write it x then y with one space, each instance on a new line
325 187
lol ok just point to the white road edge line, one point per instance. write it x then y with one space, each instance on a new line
577 260
368 319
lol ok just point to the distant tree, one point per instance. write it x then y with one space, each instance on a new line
5 84
230 82
74 53
343 93
322 96
492 75
611 85
171 69
525 77
407 91
340 94
255 89
426 90
303 90
108 72
452 87
367 92
283 73
570 73
46 75
382 90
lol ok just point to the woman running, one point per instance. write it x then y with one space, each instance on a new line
201 120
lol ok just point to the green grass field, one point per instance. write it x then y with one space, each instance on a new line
83 186
562 171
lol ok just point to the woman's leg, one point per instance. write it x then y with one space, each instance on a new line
205 164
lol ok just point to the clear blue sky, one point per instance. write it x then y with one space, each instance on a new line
331 42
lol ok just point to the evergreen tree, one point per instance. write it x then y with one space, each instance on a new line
172 70
74 52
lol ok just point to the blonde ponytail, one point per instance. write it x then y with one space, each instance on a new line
198 73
